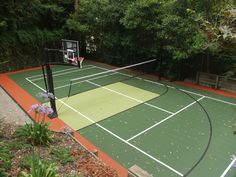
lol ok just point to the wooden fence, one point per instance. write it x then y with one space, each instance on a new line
216 81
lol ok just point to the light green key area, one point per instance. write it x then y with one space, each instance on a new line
89 107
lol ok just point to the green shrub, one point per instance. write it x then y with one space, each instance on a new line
5 156
40 169
36 134
27 161
63 155
2 173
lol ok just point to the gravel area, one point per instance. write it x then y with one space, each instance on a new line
11 112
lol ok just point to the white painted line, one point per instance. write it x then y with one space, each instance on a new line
228 168
155 82
113 134
67 85
158 123
59 71
64 73
137 100
40 75
215 99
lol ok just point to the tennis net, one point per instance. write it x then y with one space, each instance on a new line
127 74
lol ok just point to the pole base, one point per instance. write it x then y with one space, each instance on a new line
52 115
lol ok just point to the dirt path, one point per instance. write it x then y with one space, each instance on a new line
10 111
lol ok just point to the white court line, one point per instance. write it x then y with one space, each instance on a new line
113 134
228 168
158 123
132 98
64 73
40 75
215 99
154 82
58 71
67 85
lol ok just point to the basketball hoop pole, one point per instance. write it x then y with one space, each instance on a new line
50 84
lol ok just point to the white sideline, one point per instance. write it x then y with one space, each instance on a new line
158 123
113 134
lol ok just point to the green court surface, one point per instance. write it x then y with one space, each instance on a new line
166 129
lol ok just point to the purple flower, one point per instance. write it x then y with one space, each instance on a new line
41 109
45 96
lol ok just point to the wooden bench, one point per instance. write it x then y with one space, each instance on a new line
228 84
136 171
207 79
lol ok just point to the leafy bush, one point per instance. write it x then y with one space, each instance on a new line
36 134
63 155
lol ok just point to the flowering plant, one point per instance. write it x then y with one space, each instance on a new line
45 96
40 109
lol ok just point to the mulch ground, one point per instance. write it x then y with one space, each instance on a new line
85 164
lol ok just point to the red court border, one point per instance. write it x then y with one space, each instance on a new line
25 101
199 87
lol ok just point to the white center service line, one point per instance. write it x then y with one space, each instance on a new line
158 123
113 134
137 100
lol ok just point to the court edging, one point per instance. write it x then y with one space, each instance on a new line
199 87
25 100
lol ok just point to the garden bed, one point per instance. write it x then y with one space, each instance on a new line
70 158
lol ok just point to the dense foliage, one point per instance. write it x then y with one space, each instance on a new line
185 35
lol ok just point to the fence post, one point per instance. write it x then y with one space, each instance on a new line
217 82
197 77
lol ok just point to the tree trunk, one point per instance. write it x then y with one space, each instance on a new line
76 3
